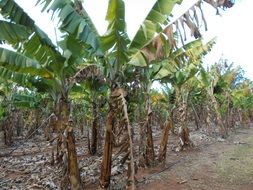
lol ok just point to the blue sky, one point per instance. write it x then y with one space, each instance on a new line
233 30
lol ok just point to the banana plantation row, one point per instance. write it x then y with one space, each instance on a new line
104 83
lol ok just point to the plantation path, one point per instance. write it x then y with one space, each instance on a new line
218 165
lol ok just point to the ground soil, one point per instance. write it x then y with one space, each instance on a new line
212 164
223 164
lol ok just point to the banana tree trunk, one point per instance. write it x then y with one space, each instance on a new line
232 118
196 117
57 127
8 131
57 111
184 134
142 145
250 115
74 174
100 135
245 119
20 123
118 107
48 129
150 153
107 155
227 118
94 132
208 120
131 168
37 118
81 126
73 170
239 112
222 129
164 141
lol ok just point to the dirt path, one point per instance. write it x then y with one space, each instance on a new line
221 165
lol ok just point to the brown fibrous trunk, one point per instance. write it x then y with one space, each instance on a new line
107 155
8 131
164 141
94 135
73 170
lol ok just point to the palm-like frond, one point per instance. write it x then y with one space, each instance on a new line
152 24
146 47
25 101
75 21
116 37
186 58
13 33
19 63
22 29
19 78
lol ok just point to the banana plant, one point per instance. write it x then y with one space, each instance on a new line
7 107
45 66
52 68
144 48
174 69
209 81
184 65
118 50
93 92
230 80
13 101
243 102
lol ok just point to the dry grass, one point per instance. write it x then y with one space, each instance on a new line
236 166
